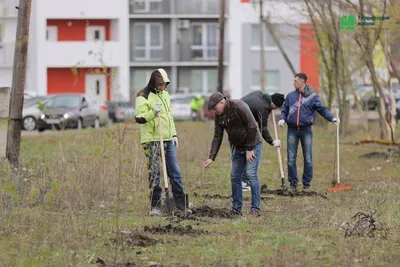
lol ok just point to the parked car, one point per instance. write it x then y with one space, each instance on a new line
120 110
181 109
398 111
32 110
102 114
69 111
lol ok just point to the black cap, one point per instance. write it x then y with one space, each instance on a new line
278 99
214 99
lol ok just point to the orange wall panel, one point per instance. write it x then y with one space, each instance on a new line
309 55
64 80
75 29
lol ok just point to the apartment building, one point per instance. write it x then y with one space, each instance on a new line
8 27
74 47
181 36
108 49
297 39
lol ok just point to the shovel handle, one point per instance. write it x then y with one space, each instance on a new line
164 166
278 148
337 149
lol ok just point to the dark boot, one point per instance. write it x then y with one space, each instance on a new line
182 204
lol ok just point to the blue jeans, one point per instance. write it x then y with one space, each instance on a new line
304 135
239 166
153 156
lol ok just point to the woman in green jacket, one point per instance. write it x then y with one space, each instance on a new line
150 101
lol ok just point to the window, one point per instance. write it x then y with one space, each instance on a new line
140 79
271 81
147 6
95 33
255 38
205 40
51 33
148 41
204 81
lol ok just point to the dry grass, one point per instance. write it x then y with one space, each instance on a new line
68 208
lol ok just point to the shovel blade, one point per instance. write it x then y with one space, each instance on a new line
169 204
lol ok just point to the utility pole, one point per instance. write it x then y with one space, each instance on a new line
220 87
18 83
262 57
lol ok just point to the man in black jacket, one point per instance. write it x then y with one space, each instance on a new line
261 104
235 117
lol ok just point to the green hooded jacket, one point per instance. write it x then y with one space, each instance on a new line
145 101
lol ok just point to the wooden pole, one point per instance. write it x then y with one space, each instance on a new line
18 83
220 87
262 56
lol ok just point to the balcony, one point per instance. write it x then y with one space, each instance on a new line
149 53
84 54
8 10
7 54
149 6
197 7
195 53
175 8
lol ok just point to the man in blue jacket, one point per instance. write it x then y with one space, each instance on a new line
299 113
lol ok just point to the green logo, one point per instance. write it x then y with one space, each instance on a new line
348 22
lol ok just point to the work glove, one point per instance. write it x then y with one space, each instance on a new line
276 143
336 121
175 141
281 123
157 108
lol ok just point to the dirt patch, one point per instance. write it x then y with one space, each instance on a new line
182 217
101 263
217 196
365 225
207 211
288 193
389 154
135 239
175 230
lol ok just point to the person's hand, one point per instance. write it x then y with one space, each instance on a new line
157 108
281 123
250 156
276 143
175 141
336 121
207 164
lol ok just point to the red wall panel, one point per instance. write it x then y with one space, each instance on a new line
309 55
75 29
65 80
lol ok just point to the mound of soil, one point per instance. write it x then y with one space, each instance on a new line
207 211
218 196
135 239
175 230
365 225
101 263
288 193
388 154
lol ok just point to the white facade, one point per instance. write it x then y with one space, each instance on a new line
49 53
8 27
280 12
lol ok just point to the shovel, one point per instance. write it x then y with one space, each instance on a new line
283 187
169 203
338 186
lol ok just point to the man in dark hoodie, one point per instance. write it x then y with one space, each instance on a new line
299 113
235 117
151 101
261 104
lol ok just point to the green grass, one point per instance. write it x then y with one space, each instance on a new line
65 210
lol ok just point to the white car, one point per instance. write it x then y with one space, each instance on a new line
31 112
